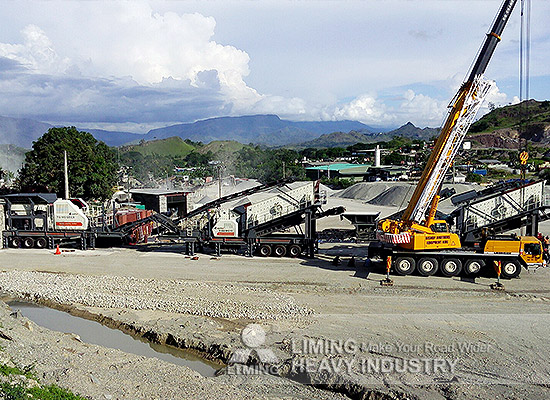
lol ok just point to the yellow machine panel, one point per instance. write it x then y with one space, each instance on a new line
502 246
432 241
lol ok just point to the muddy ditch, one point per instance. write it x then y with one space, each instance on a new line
214 356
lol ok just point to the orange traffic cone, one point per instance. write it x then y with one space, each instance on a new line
57 251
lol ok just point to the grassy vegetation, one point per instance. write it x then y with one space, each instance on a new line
171 147
51 392
7 370
18 391
530 112
221 146
158 158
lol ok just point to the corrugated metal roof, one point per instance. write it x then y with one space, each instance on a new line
337 166
159 192
355 170
45 198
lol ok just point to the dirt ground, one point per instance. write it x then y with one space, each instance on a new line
422 338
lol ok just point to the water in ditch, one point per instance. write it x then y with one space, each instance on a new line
96 333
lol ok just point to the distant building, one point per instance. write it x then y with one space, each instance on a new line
490 161
337 170
459 178
386 173
162 200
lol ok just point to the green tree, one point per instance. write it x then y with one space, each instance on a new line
267 165
92 165
471 177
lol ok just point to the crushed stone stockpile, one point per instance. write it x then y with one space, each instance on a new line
399 195
364 190
396 196
393 194
210 192
175 296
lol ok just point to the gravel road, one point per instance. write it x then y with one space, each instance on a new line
489 344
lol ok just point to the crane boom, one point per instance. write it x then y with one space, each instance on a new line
416 241
463 110
462 114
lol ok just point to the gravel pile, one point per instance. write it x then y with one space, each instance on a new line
364 191
194 298
210 192
396 196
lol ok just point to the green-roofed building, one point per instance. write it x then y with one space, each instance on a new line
337 170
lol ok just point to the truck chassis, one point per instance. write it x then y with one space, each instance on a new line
469 261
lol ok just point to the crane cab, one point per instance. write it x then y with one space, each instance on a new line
439 227
528 248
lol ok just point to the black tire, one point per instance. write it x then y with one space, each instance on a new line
294 250
450 267
510 269
28 243
265 250
279 251
473 267
41 243
427 266
15 242
404 265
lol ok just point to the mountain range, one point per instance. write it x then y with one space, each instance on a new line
22 132
499 128
269 130
344 139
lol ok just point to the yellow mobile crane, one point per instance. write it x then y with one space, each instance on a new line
417 240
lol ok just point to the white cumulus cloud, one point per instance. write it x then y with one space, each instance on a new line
365 108
36 52
421 110
153 61
496 98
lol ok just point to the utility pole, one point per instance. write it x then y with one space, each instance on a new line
219 180
284 170
66 171
128 185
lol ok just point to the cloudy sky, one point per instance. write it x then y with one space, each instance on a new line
134 65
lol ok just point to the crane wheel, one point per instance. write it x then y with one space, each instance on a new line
41 243
294 250
279 251
15 242
510 269
451 267
427 266
472 267
404 265
265 250
28 243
